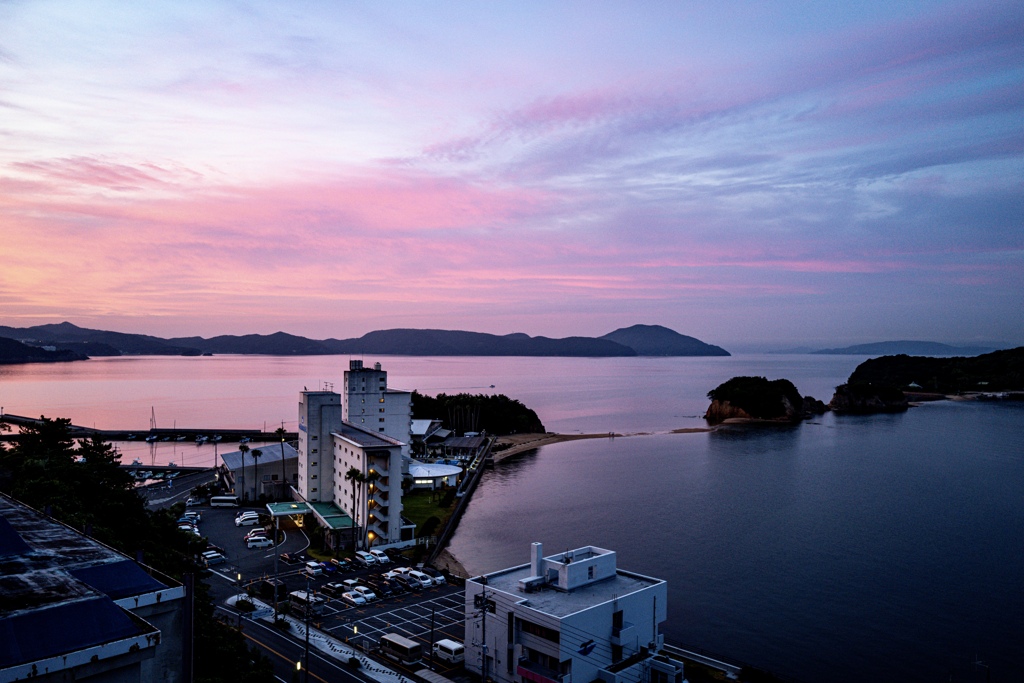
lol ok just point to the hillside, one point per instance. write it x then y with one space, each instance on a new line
996 371
655 340
128 344
408 342
643 340
14 352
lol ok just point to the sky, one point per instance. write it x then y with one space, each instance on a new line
743 172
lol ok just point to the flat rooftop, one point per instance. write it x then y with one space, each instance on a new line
364 438
559 603
60 590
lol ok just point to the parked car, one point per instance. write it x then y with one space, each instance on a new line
211 558
364 558
367 594
380 556
396 588
328 568
191 502
313 568
437 576
396 572
291 558
407 582
342 564
425 581
259 531
354 599
247 521
259 542
381 587
247 513
334 588
192 514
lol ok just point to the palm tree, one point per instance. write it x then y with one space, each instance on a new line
243 449
353 475
371 478
256 455
360 480
279 432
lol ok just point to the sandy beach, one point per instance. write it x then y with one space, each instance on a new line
520 443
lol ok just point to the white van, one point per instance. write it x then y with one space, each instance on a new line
259 542
380 556
449 651
364 558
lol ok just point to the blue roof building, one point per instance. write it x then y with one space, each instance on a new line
72 608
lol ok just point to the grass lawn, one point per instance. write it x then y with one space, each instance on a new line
419 506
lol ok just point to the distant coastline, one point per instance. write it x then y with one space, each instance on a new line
637 340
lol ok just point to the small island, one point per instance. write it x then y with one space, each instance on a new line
757 399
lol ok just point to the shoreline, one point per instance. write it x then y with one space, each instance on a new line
521 443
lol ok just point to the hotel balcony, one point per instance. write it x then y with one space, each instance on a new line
623 635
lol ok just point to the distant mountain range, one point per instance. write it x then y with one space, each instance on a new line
908 348
639 340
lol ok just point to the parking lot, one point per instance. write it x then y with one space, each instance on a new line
412 614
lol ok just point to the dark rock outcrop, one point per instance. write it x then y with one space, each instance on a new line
759 400
862 398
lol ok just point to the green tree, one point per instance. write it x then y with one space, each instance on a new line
243 449
280 434
256 455
352 476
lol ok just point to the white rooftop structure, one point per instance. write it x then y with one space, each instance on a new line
569 616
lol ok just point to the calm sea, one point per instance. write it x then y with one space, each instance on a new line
846 549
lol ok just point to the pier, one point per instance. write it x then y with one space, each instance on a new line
189 433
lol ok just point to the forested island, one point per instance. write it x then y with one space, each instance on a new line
757 399
496 414
996 371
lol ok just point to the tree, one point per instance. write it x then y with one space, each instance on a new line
353 475
280 433
256 455
243 449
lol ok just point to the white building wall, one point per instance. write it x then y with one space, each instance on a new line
369 404
642 611
319 415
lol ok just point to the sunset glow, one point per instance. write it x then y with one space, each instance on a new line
740 173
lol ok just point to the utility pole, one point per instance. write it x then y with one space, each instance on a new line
483 635
306 654
276 577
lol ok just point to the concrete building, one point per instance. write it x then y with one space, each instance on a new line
568 617
371 405
328 448
73 609
252 478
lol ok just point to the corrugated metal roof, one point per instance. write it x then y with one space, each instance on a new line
271 453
